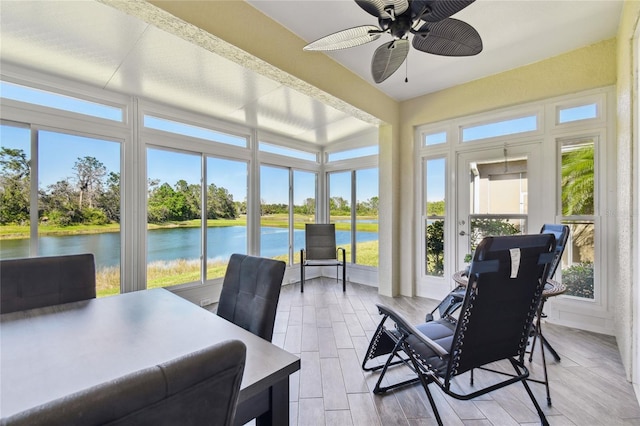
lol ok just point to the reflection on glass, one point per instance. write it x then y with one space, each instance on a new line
304 208
79 202
274 212
367 217
340 209
174 233
226 213
435 212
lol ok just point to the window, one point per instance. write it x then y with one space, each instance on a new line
274 212
226 213
367 217
15 181
353 153
78 195
356 229
578 211
62 102
179 128
435 195
174 214
582 112
340 209
288 152
304 207
435 138
500 128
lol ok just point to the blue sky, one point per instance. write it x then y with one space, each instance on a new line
59 152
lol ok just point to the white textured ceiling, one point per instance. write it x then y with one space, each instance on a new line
100 45
134 48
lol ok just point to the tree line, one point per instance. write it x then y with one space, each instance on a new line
91 196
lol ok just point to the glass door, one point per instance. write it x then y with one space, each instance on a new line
494 190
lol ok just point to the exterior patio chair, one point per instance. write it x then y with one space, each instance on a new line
320 250
250 293
506 280
36 282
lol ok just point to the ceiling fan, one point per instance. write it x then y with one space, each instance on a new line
428 20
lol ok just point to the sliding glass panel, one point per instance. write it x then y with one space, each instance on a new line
226 213
435 216
340 208
304 208
174 232
15 178
367 217
274 212
79 202
578 210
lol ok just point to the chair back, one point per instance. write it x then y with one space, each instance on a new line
561 232
196 389
320 241
506 281
36 282
250 293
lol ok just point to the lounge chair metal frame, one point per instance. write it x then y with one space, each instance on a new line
433 362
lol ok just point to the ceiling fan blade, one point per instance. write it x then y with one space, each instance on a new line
449 37
437 10
377 7
346 38
388 58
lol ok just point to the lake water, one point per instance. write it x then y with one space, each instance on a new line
171 244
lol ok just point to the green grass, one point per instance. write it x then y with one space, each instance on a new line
166 274
277 221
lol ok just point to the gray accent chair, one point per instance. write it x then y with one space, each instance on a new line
320 250
200 388
36 282
250 293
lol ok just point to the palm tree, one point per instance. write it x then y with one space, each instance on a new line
578 181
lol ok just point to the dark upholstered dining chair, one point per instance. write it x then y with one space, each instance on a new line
36 282
250 293
200 388
320 250
506 280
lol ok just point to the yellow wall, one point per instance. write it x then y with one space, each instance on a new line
624 298
587 68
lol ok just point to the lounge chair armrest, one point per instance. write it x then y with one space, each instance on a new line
344 253
407 328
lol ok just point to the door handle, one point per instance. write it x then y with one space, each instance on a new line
462 233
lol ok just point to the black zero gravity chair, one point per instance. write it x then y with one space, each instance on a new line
506 280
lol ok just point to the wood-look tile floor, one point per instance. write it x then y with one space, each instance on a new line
330 331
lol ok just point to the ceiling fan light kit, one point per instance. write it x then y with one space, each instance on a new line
428 20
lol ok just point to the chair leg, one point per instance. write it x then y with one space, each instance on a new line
301 278
344 277
543 418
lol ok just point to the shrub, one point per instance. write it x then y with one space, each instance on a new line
579 280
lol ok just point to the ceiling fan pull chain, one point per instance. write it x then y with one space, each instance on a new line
406 70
